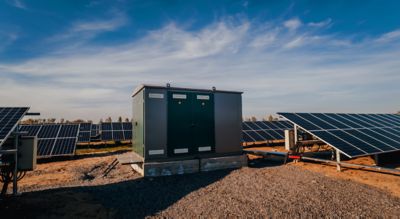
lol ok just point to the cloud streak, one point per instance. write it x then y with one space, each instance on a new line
18 4
278 70
83 31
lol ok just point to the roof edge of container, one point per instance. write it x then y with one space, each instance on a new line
143 86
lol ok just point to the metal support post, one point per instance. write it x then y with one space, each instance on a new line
376 159
15 177
338 167
296 136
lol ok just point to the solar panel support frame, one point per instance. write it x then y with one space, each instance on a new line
338 166
309 132
296 136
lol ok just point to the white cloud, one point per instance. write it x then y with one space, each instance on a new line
86 30
277 70
299 41
390 36
292 24
321 24
103 25
264 40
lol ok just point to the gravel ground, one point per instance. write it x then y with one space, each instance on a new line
273 192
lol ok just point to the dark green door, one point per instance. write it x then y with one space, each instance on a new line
190 123
203 120
179 123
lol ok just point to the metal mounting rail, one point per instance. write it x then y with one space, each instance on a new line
357 166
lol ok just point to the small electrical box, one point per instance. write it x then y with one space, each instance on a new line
27 151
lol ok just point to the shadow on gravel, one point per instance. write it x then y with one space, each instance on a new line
77 157
262 162
129 199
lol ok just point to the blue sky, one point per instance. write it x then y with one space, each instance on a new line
82 59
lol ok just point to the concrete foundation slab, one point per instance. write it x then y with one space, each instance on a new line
219 163
179 167
153 169
129 158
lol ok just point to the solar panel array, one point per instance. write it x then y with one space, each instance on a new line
353 134
54 139
259 131
116 131
9 118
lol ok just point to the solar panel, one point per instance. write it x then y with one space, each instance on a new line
95 130
106 126
9 119
116 131
106 136
85 127
127 126
85 130
70 130
84 137
353 134
45 146
32 130
117 126
259 131
118 135
128 135
54 139
64 146
49 131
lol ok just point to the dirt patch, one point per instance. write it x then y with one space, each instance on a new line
81 172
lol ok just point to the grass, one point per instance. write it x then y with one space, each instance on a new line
94 149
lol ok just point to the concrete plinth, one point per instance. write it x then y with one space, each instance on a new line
152 169
219 163
167 168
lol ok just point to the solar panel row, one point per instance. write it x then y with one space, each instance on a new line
353 134
116 131
9 118
264 130
54 139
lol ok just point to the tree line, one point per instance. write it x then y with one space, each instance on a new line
31 121
269 118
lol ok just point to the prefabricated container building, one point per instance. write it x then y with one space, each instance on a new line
171 123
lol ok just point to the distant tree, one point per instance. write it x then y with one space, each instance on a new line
51 120
270 118
62 120
120 119
109 119
126 119
28 121
101 121
78 121
253 119
90 121
398 112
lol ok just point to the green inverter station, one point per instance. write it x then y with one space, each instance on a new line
183 130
